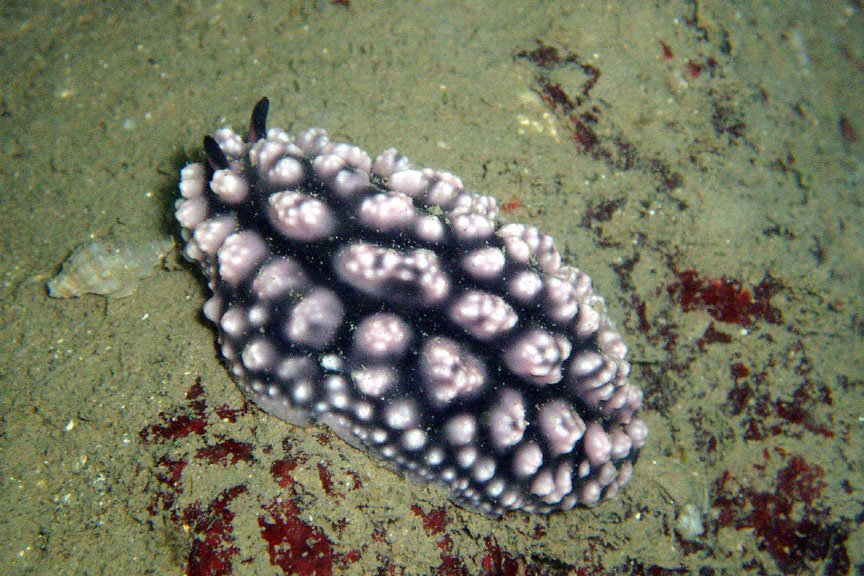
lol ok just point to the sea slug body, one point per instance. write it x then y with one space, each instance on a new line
392 305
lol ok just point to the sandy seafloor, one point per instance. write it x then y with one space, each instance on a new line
703 161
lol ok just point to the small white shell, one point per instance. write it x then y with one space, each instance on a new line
108 268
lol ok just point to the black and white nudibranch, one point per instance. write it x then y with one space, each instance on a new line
392 305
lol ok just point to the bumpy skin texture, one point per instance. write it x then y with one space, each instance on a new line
392 305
